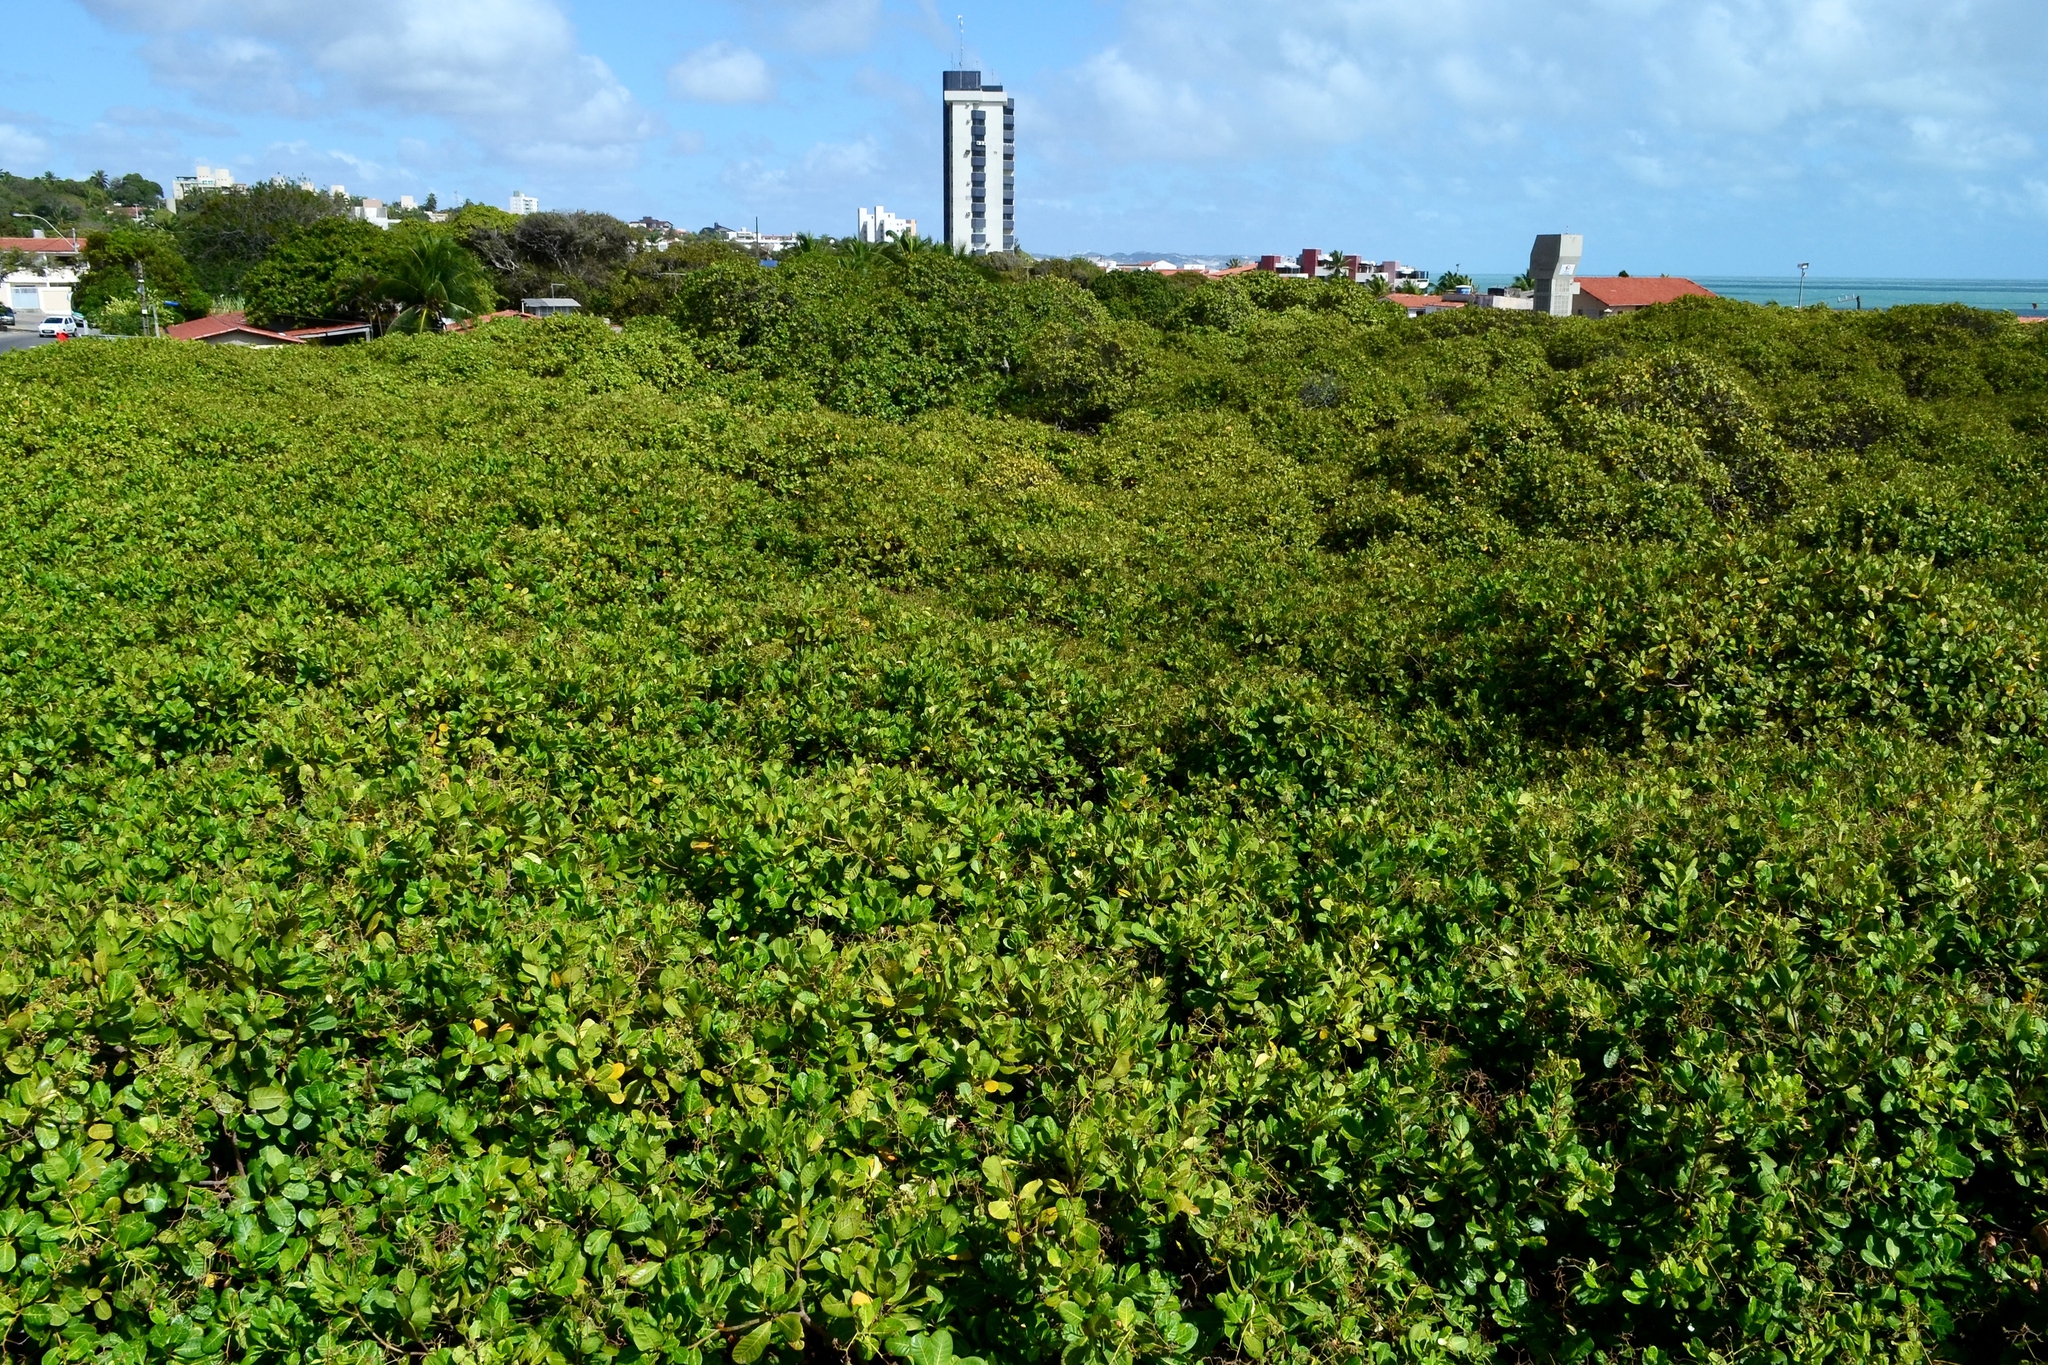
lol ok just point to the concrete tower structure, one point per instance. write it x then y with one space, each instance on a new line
1554 262
981 165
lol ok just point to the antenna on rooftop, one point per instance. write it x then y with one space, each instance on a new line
960 58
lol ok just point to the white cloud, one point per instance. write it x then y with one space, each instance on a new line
509 73
827 165
127 116
834 161
1964 146
21 149
1716 85
722 74
832 26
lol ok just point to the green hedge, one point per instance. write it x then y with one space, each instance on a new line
923 816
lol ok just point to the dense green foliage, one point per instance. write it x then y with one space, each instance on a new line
71 204
325 270
430 278
107 293
937 815
604 264
226 232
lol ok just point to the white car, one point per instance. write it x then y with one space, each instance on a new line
64 325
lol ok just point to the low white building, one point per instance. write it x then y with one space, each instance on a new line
208 178
770 242
878 225
549 308
41 276
523 203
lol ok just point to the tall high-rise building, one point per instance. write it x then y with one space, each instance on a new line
979 219
1554 263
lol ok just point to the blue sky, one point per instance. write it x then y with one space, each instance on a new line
1871 137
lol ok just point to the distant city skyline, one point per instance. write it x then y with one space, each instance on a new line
1871 137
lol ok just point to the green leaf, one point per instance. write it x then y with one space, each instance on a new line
750 1346
266 1098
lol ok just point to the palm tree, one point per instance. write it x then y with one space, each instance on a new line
863 257
1376 285
433 278
910 244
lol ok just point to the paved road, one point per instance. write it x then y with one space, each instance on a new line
20 338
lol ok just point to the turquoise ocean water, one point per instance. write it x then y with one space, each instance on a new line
2011 296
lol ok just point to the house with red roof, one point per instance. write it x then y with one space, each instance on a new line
1605 296
235 329
229 329
42 274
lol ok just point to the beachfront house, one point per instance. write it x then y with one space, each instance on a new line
1610 296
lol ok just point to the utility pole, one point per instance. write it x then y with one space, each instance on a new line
142 302
1802 283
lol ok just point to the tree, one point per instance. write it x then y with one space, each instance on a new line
432 277
1077 269
74 203
1524 281
225 232
910 244
321 271
136 190
107 293
1451 281
585 254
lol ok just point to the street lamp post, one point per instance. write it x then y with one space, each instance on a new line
1802 283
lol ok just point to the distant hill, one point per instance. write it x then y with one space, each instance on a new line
1176 257
73 203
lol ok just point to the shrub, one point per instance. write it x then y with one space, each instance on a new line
1358 840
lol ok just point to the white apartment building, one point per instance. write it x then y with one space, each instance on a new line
878 225
981 168
523 203
208 178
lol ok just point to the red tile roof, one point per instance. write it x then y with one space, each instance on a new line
1627 292
199 329
48 246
